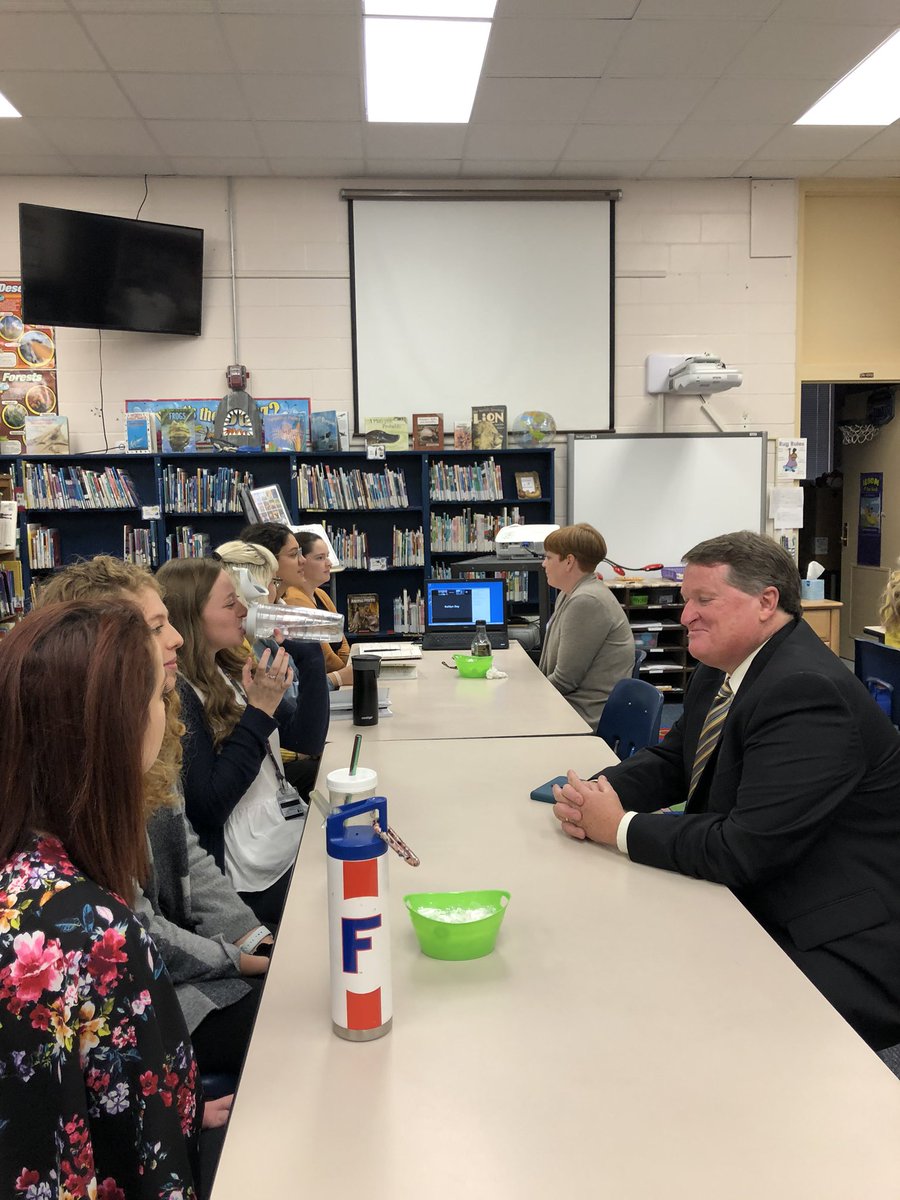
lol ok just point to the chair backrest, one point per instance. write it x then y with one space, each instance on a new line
630 717
639 656
878 667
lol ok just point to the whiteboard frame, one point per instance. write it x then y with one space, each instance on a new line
661 490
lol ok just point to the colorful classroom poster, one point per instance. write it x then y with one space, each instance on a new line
868 543
27 365
790 458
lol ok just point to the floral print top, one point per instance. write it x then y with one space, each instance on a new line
99 1092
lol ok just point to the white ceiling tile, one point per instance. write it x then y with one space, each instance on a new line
525 143
806 50
741 99
713 10
160 43
661 49
617 142
421 168
701 141
318 139
883 143
30 6
120 164
563 48
219 166
816 141
542 100
788 168
65 94
304 97
597 9
860 12
513 169
608 169
203 139
35 164
414 141
294 8
309 167
144 6
854 169
278 45
71 136
39 40
26 137
698 168
642 101
168 97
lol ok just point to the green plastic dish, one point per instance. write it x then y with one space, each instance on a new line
457 925
471 666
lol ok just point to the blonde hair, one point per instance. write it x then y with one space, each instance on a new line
890 604
261 564
98 578
186 584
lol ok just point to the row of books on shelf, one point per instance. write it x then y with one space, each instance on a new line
12 591
204 490
469 530
325 487
456 481
138 546
44 547
187 543
75 487
516 581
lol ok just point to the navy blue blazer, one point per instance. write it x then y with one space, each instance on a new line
797 811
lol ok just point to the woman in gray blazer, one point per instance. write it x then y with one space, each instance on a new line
588 645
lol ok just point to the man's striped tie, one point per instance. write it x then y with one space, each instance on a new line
710 733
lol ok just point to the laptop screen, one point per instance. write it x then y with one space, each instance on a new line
452 604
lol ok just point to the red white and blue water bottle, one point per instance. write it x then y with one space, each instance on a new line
359 933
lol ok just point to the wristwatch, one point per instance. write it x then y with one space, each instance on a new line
253 942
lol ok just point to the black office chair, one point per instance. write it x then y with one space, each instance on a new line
639 656
878 667
630 717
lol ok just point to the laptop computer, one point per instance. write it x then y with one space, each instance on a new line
453 608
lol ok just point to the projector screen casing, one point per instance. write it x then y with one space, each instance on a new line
483 301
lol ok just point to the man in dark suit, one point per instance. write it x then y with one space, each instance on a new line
792 783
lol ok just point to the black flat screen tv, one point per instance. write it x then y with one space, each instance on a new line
99 272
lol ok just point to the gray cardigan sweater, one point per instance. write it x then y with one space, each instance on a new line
193 915
588 647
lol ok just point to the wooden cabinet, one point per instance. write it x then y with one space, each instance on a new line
653 610
824 618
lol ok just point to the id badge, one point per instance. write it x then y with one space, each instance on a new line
290 802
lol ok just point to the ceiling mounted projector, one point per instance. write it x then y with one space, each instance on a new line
702 373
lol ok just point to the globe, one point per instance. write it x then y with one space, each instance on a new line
532 428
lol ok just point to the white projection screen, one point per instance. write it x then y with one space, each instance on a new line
457 302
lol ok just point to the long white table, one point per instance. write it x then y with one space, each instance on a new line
634 1035
440 704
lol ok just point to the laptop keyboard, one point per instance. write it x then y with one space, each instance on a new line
458 641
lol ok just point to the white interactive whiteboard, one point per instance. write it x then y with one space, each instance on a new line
654 496
482 301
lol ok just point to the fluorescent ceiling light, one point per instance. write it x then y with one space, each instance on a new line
472 9
868 95
6 109
423 70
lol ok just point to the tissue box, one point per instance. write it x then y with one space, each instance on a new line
812 589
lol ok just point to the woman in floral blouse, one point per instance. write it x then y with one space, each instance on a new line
99 1093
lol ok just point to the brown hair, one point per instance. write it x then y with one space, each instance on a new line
585 543
76 681
890 604
186 584
754 563
100 578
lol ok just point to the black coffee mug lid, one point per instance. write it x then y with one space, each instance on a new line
366 662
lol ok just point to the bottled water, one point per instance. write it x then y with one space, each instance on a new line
481 643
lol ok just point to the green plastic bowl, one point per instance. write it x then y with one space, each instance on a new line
471 666
456 925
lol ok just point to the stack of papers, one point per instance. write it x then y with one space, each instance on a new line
389 651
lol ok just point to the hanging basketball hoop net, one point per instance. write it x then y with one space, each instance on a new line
858 435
